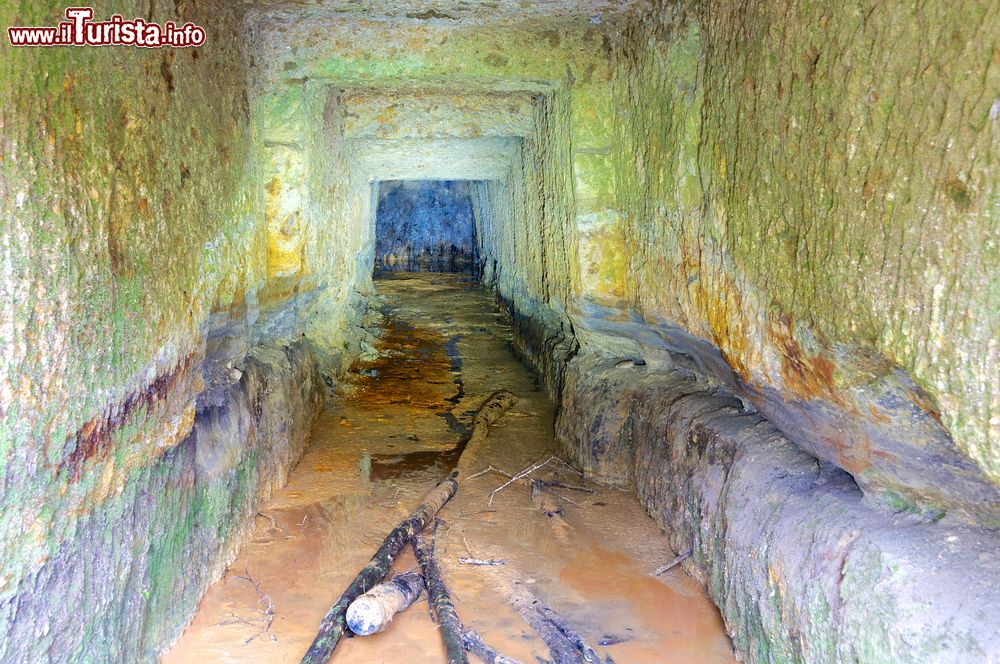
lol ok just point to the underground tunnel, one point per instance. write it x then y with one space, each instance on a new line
553 330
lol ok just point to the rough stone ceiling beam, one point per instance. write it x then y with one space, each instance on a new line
372 53
444 85
442 11
395 114
441 159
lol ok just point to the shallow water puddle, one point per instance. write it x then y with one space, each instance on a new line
401 425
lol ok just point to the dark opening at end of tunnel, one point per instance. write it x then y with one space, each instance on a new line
425 226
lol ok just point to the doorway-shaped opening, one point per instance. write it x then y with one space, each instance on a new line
425 225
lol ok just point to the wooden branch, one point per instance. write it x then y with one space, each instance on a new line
448 622
374 611
516 478
574 637
566 645
331 628
561 650
489 413
474 644
673 563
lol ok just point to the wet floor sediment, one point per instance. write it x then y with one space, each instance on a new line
401 424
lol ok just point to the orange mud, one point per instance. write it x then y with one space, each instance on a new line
400 424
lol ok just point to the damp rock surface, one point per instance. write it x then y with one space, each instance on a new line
783 193
130 571
801 566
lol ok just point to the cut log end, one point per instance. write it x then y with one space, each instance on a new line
374 611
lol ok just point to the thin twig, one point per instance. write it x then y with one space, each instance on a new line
673 563
584 476
521 475
275 526
563 485
477 562
264 606
485 470
553 493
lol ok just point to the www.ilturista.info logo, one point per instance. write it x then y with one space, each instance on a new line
79 30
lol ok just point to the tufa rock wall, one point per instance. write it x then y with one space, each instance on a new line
811 190
149 399
802 567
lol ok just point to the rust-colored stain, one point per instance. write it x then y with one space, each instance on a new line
959 192
853 453
273 187
925 402
721 306
807 377
237 303
389 116
413 369
93 440
877 415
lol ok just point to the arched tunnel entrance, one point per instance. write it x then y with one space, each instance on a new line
636 331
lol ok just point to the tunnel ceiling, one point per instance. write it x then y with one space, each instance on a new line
405 134
457 11
374 45
410 105
435 73
442 159
433 114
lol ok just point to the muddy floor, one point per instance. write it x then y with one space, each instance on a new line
398 427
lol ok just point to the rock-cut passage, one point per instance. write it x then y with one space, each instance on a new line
397 428
737 261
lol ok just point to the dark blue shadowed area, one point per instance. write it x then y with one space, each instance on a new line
424 225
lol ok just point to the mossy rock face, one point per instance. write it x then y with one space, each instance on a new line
784 194
141 561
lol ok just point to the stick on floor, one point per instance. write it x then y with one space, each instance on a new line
448 622
331 628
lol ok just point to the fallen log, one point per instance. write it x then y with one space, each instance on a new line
373 611
490 412
574 637
474 644
566 645
331 628
448 622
